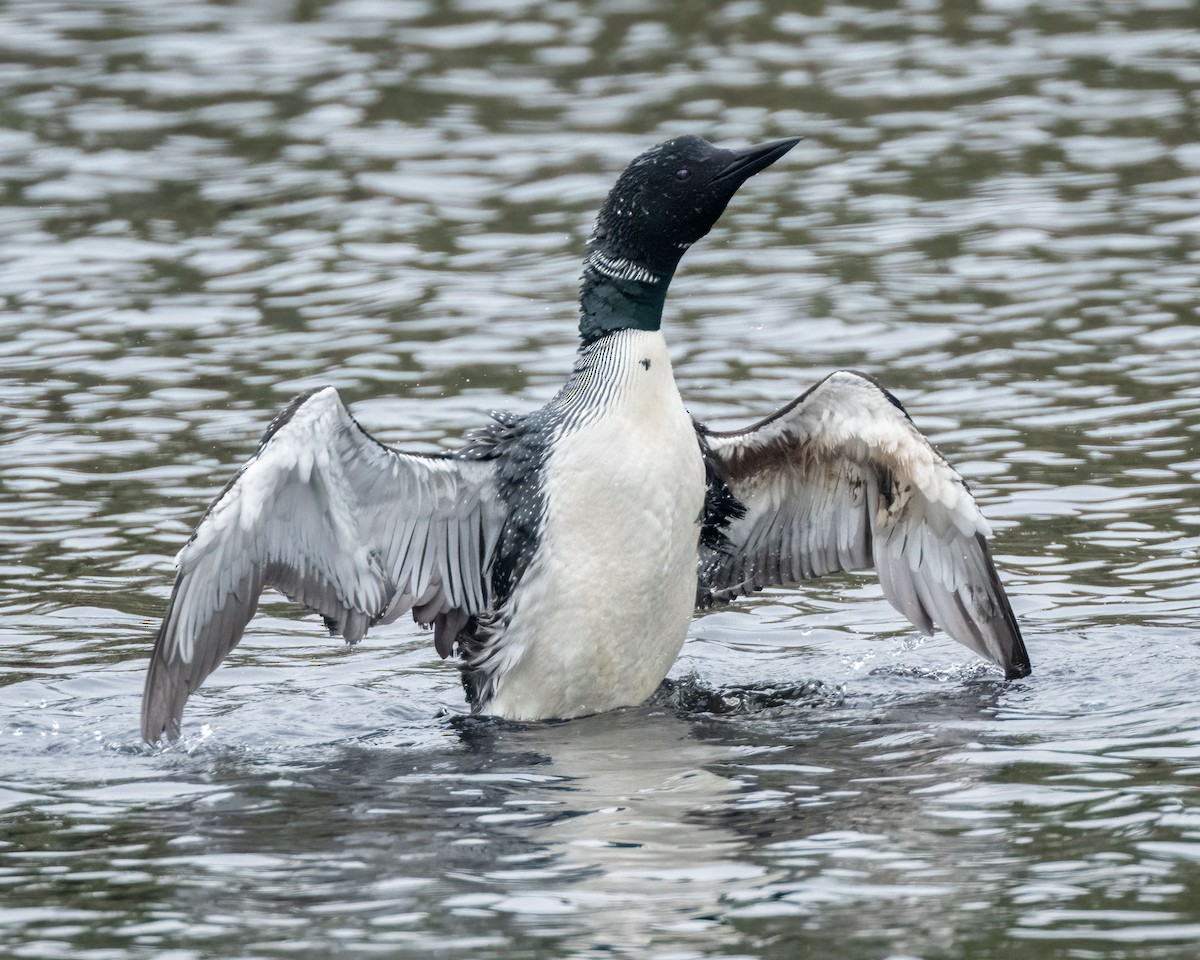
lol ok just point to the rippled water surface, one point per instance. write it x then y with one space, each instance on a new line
208 206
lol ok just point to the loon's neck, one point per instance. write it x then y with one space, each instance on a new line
619 294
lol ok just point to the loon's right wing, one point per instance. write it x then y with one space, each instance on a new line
840 479
335 520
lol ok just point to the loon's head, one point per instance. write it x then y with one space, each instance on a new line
665 201
670 197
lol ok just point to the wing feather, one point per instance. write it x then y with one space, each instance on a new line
840 479
336 521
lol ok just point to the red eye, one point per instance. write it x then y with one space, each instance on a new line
683 173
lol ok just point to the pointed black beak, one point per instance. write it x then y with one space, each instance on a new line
744 164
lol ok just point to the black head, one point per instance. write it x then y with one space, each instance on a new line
670 197
665 201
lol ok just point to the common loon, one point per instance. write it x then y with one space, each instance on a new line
563 551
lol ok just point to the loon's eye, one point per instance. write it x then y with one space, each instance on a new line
683 173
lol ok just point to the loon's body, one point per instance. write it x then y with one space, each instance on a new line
601 611
562 552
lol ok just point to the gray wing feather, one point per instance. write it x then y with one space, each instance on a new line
336 521
840 479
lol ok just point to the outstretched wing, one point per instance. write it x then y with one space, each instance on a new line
840 479
335 520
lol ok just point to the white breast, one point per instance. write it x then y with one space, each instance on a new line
602 611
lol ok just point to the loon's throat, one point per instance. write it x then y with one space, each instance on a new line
619 294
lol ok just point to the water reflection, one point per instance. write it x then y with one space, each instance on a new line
207 207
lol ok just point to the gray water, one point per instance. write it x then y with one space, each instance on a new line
207 207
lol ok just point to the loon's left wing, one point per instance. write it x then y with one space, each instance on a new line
330 517
840 479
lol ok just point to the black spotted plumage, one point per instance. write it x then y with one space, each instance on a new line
721 508
519 446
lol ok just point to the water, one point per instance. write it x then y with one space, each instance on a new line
208 207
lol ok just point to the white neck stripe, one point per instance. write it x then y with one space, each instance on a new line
618 268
